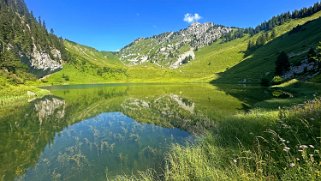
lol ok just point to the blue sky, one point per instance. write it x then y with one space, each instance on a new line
111 24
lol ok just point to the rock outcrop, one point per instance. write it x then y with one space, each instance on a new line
175 48
40 60
306 67
28 40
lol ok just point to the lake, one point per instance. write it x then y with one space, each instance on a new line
95 132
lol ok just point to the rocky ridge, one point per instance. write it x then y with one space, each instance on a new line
174 48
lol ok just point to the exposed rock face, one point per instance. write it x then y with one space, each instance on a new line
172 49
42 61
28 41
203 34
184 58
300 69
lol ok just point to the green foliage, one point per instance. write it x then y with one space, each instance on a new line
13 95
318 53
261 40
20 34
285 17
65 77
261 62
282 64
277 80
312 55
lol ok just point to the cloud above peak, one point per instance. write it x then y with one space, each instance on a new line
192 18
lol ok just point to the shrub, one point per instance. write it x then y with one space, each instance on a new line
65 77
277 80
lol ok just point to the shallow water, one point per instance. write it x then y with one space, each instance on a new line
94 132
107 144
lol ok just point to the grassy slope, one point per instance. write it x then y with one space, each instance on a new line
261 62
87 62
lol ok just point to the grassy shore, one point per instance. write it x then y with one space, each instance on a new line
274 145
11 95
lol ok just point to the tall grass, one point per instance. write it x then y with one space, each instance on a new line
279 145
17 94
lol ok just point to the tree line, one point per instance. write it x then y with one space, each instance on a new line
273 22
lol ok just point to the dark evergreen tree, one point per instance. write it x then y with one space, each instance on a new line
282 64
318 53
273 34
312 55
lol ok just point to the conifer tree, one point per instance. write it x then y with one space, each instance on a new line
282 64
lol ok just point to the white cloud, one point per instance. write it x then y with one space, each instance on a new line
192 18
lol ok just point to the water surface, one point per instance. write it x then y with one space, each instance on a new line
94 132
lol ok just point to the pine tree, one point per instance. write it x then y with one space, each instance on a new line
312 55
273 34
250 45
39 20
282 64
318 53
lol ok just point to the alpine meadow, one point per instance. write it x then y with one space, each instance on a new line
184 99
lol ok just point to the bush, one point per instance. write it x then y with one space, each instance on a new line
277 80
66 77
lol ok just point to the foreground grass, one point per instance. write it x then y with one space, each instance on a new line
11 95
278 145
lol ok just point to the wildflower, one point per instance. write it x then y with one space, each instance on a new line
286 149
303 147
311 146
287 142
300 150
282 140
298 159
292 165
234 160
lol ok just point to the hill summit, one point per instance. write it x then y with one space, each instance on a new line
173 49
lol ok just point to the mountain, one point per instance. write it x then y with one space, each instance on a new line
199 53
26 47
222 61
174 48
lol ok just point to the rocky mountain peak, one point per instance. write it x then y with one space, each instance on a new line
175 48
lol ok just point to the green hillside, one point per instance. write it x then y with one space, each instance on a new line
261 63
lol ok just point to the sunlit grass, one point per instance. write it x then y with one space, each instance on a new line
278 145
16 94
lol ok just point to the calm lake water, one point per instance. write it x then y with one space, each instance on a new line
101 131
